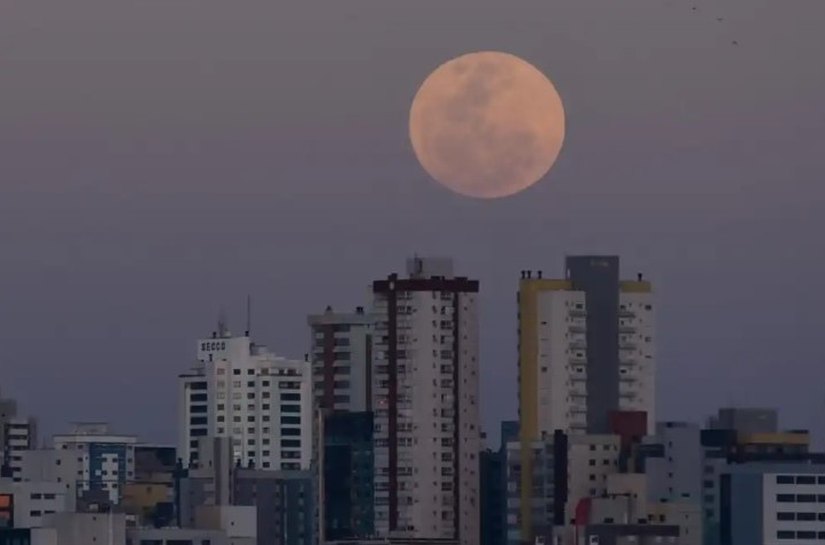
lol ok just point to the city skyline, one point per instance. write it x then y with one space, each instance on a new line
147 180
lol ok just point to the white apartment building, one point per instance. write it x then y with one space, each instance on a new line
586 348
20 436
341 355
425 402
244 392
106 461
17 434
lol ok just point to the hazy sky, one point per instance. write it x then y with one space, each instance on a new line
161 158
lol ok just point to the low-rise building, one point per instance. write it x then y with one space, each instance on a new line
28 504
284 504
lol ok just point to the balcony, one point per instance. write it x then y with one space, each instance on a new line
624 313
578 345
578 312
627 329
577 328
578 360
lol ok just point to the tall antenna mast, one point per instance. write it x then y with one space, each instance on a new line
222 330
248 315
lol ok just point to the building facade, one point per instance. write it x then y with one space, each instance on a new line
284 502
242 391
348 476
341 356
20 435
106 461
586 348
676 475
27 505
17 434
425 403
772 505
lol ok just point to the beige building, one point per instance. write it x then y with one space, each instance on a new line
425 402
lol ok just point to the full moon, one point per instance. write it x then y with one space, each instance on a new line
487 124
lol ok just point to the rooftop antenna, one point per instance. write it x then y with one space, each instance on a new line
222 330
248 314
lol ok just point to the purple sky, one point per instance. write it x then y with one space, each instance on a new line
159 159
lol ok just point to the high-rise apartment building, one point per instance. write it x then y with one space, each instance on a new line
585 354
586 348
425 402
341 356
242 391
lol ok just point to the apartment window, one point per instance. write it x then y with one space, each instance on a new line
265 406
250 371
785 516
236 371
805 534
250 384
287 396
290 408
290 420
806 479
785 498
785 534
806 516
806 498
